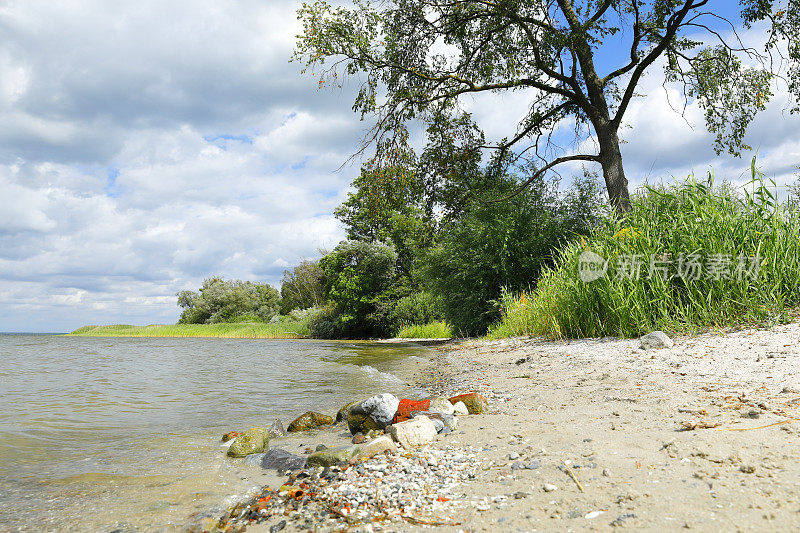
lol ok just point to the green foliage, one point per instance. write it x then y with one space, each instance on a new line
691 222
433 330
243 330
227 301
385 207
360 278
421 307
783 29
504 244
302 287
730 94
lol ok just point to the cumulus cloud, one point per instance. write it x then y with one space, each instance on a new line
145 147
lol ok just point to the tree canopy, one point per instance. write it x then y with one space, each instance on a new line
420 58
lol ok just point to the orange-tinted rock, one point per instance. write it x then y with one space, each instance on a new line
407 407
475 402
230 435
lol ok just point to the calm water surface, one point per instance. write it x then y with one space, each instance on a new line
107 433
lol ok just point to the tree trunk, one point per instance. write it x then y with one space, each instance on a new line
613 171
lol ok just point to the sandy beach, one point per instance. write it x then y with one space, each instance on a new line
600 434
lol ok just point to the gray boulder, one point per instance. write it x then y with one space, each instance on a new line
276 459
655 341
441 420
380 408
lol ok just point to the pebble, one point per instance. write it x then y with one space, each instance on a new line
618 521
549 487
418 484
606 472
513 456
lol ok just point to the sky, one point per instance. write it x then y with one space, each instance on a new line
146 146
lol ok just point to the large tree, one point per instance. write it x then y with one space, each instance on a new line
420 58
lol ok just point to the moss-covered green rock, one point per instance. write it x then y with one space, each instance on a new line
309 420
254 440
341 415
360 423
476 403
332 456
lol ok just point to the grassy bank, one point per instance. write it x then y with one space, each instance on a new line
687 257
241 330
434 330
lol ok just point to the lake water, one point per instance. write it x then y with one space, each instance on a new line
116 433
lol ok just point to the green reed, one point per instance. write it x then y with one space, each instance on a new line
692 219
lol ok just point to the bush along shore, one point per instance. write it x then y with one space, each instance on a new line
384 475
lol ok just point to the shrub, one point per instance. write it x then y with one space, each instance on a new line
302 287
504 244
225 301
418 308
360 278
674 227
305 316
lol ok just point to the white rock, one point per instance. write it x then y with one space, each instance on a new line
442 405
460 409
656 340
415 432
548 487
375 446
593 514
381 408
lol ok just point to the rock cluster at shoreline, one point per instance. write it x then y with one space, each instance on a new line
387 473
417 487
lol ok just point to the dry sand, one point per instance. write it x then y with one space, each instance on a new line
613 416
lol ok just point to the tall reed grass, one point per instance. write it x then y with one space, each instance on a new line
238 330
669 230
433 330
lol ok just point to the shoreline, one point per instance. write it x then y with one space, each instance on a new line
599 433
243 330
225 330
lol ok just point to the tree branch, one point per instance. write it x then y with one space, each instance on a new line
541 171
672 26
